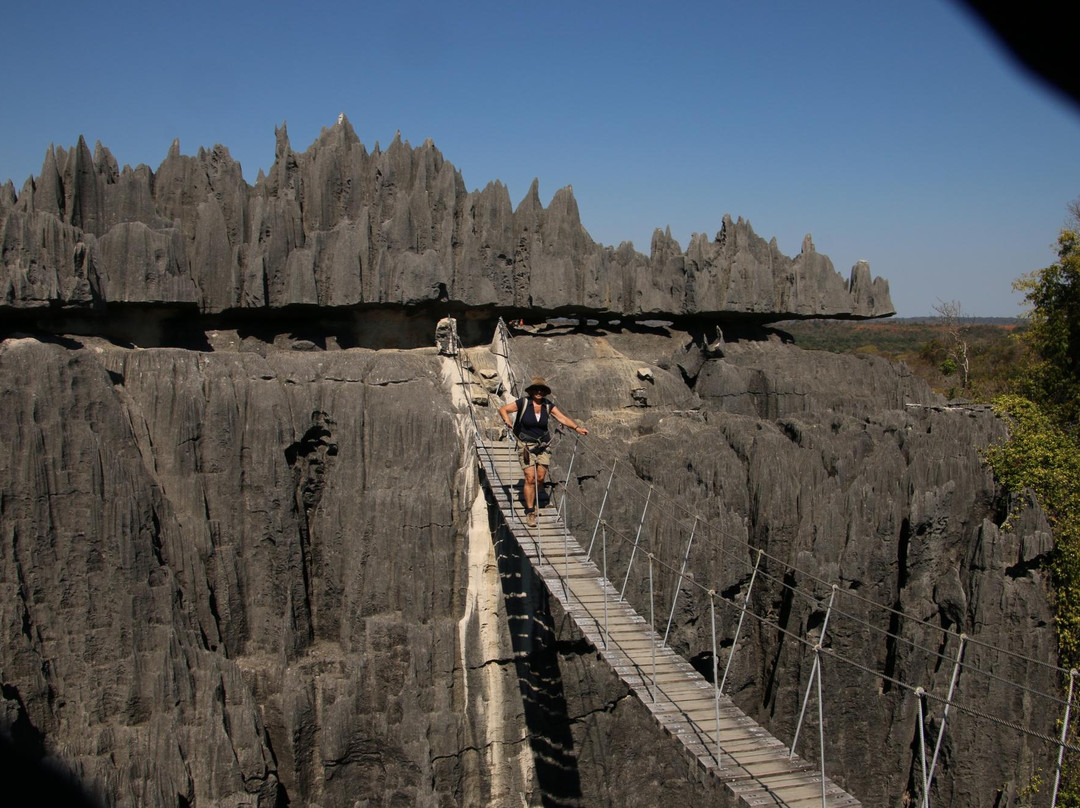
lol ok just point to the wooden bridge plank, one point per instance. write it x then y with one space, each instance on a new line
754 766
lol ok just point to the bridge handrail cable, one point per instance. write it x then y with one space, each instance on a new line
705 529
612 460
709 530
816 602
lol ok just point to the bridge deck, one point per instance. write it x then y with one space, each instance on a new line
755 767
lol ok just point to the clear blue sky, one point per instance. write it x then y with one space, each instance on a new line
895 132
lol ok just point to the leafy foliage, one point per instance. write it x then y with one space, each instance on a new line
1043 450
1042 457
1032 374
1053 335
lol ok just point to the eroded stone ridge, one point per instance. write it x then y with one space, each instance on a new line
268 578
337 225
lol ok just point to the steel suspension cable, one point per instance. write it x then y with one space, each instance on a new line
877 674
814 601
709 528
858 621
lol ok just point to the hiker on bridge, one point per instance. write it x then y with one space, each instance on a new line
530 427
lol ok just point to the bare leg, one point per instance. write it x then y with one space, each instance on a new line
529 488
541 473
534 479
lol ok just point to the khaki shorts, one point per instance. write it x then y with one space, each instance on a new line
527 458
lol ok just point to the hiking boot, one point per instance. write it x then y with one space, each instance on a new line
530 518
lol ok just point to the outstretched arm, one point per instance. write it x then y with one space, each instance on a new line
566 421
505 410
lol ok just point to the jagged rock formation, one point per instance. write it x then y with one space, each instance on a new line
246 560
850 469
337 226
229 579
255 575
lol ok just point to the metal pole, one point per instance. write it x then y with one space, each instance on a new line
742 614
564 513
566 481
828 612
536 507
652 625
622 592
821 725
679 580
806 699
603 553
815 672
944 717
600 515
716 690
919 694
566 553
511 455
1064 734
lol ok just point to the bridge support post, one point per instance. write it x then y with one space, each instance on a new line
500 347
920 695
566 552
536 509
742 615
603 551
564 514
510 472
630 566
566 481
600 515
929 775
679 580
815 677
1064 736
652 625
716 687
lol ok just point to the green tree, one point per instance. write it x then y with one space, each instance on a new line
1043 450
1052 379
1041 457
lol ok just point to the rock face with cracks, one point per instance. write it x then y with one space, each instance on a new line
339 226
246 559
263 576
231 579
842 469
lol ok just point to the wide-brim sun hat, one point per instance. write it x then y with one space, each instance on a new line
538 383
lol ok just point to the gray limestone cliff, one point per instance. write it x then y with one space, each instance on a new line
339 226
245 554
264 573
231 579
848 469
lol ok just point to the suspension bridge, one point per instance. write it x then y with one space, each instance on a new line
755 767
